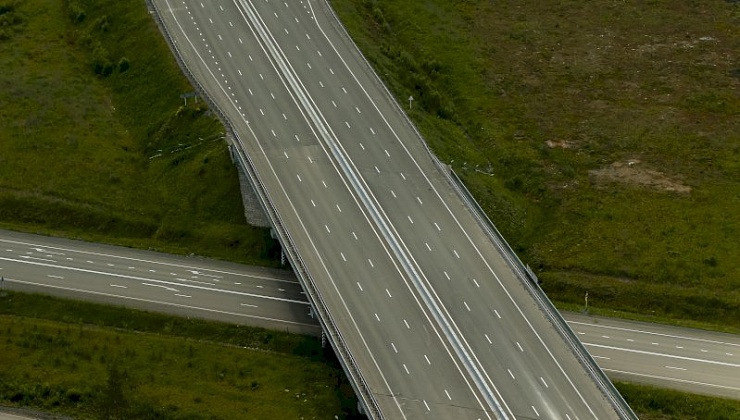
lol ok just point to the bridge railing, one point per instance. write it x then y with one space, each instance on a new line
317 302
531 282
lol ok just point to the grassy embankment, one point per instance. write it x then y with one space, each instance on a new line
96 361
83 359
95 142
610 130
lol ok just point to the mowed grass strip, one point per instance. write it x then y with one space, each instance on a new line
601 137
96 143
651 403
96 361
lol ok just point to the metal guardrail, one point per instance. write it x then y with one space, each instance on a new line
317 302
531 282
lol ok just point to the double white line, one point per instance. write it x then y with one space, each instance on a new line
471 363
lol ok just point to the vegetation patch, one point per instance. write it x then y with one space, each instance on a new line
98 144
651 403
600 137
95 361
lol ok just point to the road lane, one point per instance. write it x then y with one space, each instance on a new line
627 350
352 196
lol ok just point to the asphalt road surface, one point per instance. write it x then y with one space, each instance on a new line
427 306
686 359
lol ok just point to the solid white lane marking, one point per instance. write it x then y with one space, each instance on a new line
656 334
685 381
670 356
360 286
119 286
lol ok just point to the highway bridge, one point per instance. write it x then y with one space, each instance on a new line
429 311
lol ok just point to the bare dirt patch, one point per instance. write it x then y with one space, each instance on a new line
634 173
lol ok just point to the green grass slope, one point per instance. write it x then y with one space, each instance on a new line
93 361
96 143
603 138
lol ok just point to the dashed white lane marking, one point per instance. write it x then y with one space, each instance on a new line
393 193
476 283
354 235
249 305
119 286
389 293
299 178
488 338
327 228
371 262
448 395
55 277
674 367
360 286
454 251
181 295
426 405
446 275
313 203
408 373
466 306
427 359
535 411
544 383
520 346
407 324
510 373
496 312
410 219
345 91
428 247
343 257
394 348
377 317
600 357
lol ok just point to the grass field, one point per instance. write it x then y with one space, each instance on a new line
96 361
114 158
603 138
